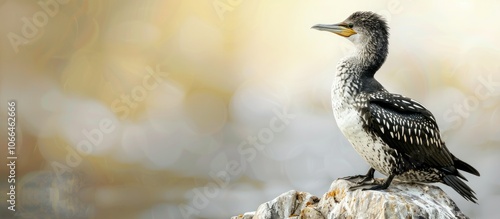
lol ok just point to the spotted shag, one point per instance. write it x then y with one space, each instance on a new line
396 135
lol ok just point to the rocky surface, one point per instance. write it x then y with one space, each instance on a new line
400 200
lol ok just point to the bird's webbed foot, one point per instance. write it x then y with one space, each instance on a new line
362 178
382 186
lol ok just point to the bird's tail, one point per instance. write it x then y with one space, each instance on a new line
464 166
458 185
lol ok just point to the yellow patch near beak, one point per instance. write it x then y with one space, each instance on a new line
347 32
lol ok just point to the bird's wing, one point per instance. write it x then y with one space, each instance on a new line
407 127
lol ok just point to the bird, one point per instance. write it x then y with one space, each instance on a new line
394 134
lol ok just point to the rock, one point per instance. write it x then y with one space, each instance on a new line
400 200
290 204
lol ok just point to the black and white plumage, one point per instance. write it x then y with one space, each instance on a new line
396 135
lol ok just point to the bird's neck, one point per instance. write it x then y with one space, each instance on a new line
357 70
369 57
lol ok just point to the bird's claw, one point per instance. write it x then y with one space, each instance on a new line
362 181
362 184
349 178
376 187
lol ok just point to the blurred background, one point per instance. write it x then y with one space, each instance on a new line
205 109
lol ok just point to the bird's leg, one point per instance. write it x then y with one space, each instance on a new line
382 186
368 176
364 178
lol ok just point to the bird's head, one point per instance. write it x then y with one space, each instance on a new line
360 28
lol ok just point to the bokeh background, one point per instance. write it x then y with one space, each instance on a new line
205 109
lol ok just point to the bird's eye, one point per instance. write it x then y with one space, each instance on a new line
350 25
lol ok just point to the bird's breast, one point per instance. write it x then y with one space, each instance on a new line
347 104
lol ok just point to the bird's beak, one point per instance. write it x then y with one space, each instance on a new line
340 29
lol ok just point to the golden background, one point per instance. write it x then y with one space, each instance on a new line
147 109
